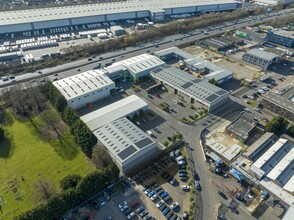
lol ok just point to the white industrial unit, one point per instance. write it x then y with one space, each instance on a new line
128 145
137 66
23 20
84 88
124 107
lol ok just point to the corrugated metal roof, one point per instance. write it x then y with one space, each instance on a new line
83 83
262 54
121 108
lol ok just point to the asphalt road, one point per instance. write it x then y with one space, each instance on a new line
69 69
207 197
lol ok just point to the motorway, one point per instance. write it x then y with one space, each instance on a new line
69 69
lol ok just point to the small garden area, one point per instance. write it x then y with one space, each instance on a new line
191 119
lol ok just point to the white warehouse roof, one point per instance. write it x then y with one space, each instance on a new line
139 63
79 11
282 165
83 83
116 110
270 152
123 139
289 186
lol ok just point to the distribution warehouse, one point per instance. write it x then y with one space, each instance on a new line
42 18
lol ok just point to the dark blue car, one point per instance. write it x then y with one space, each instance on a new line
163 195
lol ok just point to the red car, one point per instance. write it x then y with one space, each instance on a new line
134 203
158 96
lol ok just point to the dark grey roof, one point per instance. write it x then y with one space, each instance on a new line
127 152
143 143
189 84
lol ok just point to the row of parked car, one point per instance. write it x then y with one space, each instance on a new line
155 192
130 212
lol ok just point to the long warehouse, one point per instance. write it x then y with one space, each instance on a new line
42 18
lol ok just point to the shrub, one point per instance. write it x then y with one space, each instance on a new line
70 181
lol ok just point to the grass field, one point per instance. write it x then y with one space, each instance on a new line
25 154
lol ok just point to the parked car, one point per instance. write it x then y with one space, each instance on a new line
160 203
131 215
167 198
163 195
185 187
197 185
158 189
140 209
182 174
174 205
169 214
173 181
185 215
165 211
144 213
134 203
147 217
121 205
155 196
222 195
151 194
128 211
101 201
160 192
161 208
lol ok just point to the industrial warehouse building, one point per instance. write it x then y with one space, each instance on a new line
282 37
128 145
125 107
84 88
260 58
197 64
276 164
118 30
190 88
282 104
42 18
134 67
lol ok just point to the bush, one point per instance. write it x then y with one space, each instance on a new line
70 181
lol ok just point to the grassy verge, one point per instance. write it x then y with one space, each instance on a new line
252 103
24 153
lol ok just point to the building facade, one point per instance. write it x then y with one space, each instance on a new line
282 37
33 19
260 58
85 88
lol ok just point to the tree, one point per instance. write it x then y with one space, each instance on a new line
1 134
44 190
83 136
212 81
290 130
100 157
70 116
70 181
278 124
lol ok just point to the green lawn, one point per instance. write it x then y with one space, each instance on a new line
25 154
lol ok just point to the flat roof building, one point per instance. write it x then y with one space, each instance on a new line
118 30
260 58
124 107
282 37
197 64
190 88
281 102
42 18
84 88
128 145
242 126
137 66
224 152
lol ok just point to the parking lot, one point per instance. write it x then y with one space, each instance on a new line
155 192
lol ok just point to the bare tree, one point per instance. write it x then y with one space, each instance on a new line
100 157
44 190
